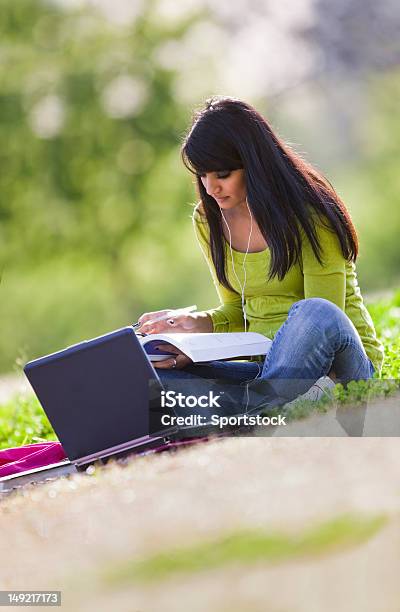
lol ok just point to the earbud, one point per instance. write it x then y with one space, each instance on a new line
242 287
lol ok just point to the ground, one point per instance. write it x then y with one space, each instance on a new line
75 534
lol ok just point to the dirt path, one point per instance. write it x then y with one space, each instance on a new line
70 531
67 533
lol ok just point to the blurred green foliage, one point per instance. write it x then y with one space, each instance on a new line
94 216
371 185
242 548
94 202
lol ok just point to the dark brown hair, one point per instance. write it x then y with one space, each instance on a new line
283 190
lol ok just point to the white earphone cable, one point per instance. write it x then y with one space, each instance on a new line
242 287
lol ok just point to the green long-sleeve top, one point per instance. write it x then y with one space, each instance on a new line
267 302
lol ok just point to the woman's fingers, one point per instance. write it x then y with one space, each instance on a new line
169 348
154 327
164 321
150 316
167 324
166 364
175 363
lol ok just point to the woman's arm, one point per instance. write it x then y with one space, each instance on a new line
329 279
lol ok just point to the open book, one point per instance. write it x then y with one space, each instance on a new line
207 347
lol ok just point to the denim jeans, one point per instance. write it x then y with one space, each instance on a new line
317 337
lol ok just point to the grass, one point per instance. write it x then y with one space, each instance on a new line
247 547
355 394
22 421
386 317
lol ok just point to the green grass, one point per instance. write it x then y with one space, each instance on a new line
248 547
22 421
355 394
386 317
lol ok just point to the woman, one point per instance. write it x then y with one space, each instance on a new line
281 248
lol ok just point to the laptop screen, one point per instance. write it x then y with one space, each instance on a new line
96 394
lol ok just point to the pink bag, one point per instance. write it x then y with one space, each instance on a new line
29 457
22 458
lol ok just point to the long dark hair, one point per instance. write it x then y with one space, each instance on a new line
282 189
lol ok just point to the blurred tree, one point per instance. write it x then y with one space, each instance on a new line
86 115
88 122
94 202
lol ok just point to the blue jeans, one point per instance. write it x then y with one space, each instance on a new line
317 337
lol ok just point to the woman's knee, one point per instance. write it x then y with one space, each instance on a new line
319 314
317 307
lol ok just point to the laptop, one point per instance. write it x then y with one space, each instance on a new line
102 398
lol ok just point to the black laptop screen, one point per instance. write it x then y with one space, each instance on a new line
96 394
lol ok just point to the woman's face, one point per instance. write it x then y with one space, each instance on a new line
227 187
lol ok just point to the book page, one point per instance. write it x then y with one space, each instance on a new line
205 347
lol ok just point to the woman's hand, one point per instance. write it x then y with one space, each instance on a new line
178 361
183 323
